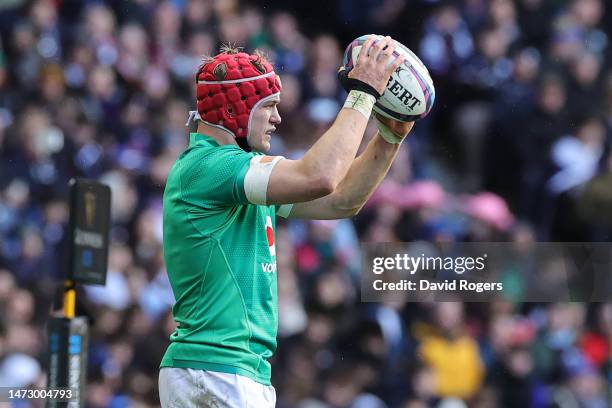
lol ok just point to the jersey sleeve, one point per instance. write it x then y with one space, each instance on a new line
230 176
257 178
216 178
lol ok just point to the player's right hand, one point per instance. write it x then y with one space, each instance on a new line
375 63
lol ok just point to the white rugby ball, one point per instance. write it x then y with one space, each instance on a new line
410 93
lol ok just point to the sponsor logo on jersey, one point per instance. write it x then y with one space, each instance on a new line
268 267
270 236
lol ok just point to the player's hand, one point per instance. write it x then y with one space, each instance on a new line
375 63
393 131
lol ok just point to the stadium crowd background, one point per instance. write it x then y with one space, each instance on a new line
517 148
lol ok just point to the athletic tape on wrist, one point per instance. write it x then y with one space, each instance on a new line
350 84
361 102
386 133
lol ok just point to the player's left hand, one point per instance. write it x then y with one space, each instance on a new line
399 130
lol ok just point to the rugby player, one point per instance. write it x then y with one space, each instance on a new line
220 202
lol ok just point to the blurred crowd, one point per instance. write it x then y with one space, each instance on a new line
517 148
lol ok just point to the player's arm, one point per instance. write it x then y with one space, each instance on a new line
364 175
326 163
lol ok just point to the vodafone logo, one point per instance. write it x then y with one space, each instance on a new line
270 236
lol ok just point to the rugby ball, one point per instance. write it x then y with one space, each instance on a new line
410 93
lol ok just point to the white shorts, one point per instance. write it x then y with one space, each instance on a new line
186 388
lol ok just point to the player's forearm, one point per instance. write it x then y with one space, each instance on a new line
364 175
331 156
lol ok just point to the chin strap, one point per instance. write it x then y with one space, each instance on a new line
194 116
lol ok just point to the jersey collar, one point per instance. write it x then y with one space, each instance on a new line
196 138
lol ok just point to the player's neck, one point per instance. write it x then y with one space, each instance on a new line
223 137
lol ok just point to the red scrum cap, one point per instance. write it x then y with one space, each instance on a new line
230 86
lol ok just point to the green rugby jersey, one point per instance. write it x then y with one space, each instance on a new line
220 256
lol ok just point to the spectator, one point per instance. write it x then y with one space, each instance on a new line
452 354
